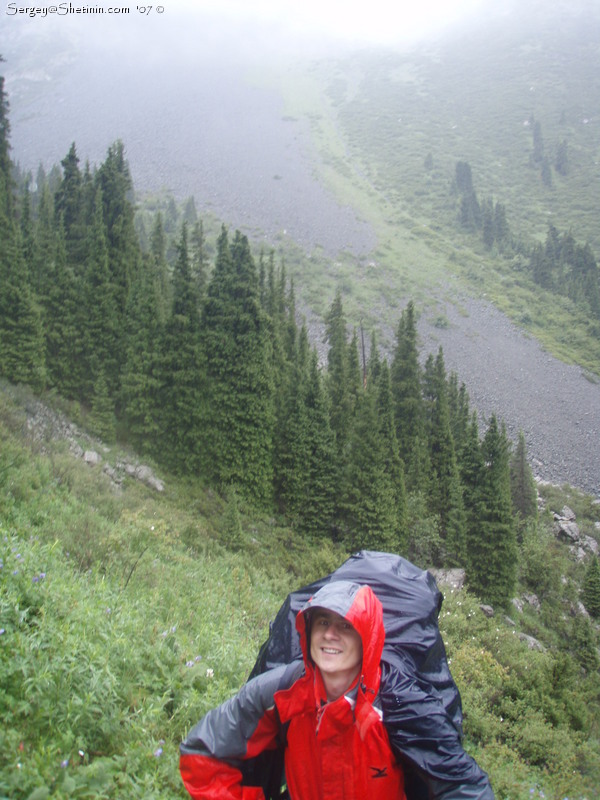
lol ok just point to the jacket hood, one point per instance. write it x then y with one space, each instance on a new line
361 608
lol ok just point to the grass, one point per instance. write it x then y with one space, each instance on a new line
125 616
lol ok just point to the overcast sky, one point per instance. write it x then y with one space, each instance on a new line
360 21
355 22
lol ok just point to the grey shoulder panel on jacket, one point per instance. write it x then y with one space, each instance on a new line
225 731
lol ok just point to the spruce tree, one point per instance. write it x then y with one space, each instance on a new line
492 547
6 183
180 374
405 378
141 377
240 416
69 207
338 374
446 487
64 314
102 417
522 483
316 509
160 269
101 333
387 429
369 508
591 589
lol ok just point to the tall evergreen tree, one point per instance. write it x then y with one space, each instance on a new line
370 514
181 373
408 402
522 483
391 453
6 183
141 377
239 425
591 589
446 488
338 374
102 324
22 356
492 548
318 502
160 270
69 207
21 335
64 312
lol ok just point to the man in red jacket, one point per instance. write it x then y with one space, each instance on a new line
337 746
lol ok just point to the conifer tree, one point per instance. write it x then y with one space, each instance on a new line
114 179
181 373
471 473
69 207
522 483
446 488
492 547
316 510
198 257
160 270
102 321
63 312
22 357
44 245
239 424
6 183
141 377
102 416
338 374
387 429
369 508
408 402
591 589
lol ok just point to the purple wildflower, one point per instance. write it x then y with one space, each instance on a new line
158 752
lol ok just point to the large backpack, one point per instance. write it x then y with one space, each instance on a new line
413 645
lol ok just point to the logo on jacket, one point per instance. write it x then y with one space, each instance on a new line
378 772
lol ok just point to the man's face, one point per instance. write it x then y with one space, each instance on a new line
335 646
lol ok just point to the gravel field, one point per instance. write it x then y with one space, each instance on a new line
508 373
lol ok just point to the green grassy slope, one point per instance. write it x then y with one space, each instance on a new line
125 614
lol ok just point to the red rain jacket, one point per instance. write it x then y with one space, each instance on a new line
334 751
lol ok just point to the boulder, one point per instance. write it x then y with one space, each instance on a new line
453 578
531 642
567 531
488 611
92 457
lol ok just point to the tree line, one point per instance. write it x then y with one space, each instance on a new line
561 265
206 368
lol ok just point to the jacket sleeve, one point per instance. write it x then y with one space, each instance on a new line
425 739
239 729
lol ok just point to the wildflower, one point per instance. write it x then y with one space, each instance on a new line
2 631
210 673
158 752
189 663
42 575
64 764
35 578
198 658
